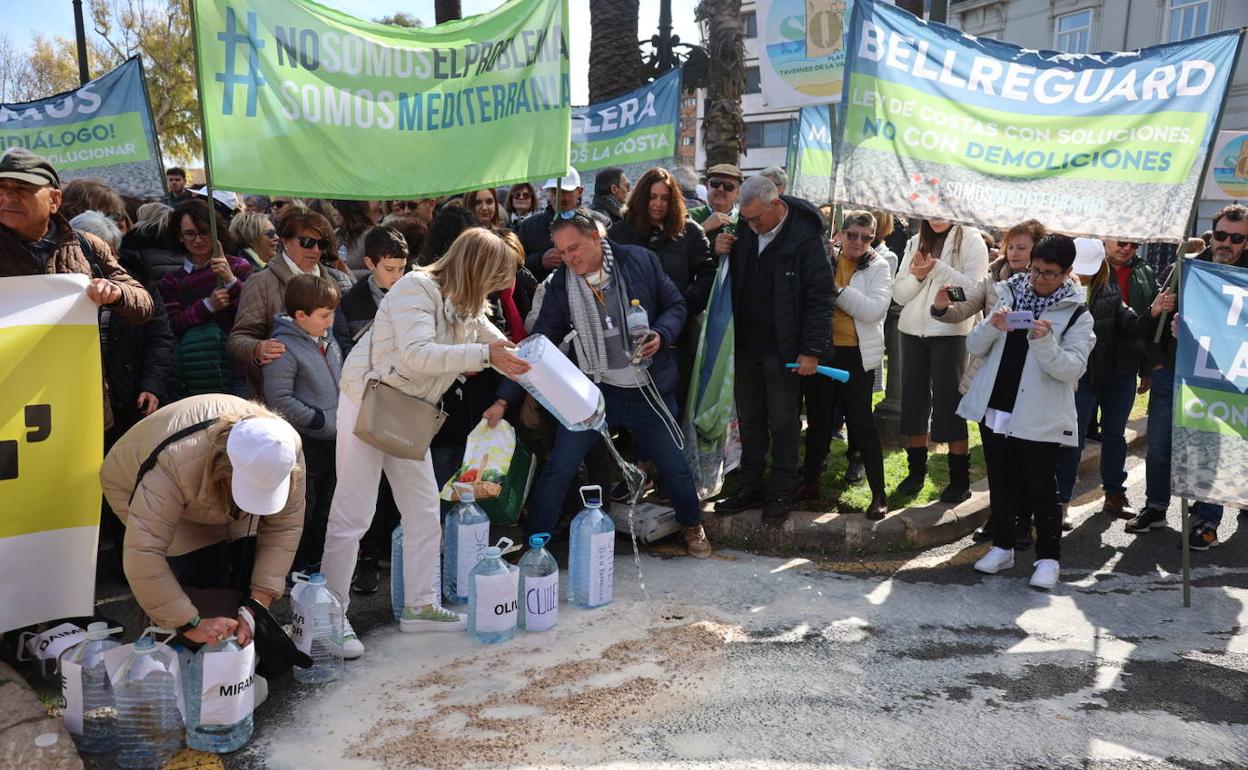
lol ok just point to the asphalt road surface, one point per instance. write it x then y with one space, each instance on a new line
746 661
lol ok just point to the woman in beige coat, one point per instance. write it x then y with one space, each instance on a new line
223 481
430 328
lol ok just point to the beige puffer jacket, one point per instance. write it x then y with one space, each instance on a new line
419 343
177 508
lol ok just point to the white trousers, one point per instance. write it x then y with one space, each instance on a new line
355 501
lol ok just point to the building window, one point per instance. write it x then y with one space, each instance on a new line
686 141
1072 32
691 101
772 133
749 24
753 81
1186 19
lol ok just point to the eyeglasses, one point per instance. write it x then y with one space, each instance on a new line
719 184
1047 275
195 235
404 205
269 233
1236 238
858 237
1126 244
307 243
280 204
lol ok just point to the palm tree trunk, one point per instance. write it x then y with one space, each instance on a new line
615 66
447 10
723 130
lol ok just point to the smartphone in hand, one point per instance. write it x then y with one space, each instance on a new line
956 294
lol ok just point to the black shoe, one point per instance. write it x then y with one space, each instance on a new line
855 472
366 578
916 458
878 508
1146 520
777 510
982 535
742 501
959 488
1202 536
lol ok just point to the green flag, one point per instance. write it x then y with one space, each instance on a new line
303 100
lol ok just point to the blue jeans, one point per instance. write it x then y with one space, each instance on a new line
627 408
1157 461
1115 398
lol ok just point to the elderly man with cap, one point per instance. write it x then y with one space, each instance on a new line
35 239
562 194
723 183
210 489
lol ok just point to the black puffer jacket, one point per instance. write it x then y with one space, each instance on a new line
1116 326
687 260
138 359
804 282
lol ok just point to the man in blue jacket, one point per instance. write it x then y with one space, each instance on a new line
590 295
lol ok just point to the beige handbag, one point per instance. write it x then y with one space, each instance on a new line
398 424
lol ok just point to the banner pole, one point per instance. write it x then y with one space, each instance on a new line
203 133
1200 184
160 153
1187 557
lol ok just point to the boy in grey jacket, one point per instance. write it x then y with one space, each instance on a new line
302 386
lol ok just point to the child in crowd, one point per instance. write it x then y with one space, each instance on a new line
302 386
386 257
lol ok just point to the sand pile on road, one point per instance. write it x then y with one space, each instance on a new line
580 701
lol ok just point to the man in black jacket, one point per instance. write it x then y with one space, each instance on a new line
782 302
610 191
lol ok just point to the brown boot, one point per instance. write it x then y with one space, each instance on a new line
695 540
1117 505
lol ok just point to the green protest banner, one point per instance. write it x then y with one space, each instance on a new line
303 100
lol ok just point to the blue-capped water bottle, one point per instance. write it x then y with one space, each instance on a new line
218 718
465 537
591 555
492 586
539 586
149 725
317 628
89 708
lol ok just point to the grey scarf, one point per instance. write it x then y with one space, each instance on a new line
591 348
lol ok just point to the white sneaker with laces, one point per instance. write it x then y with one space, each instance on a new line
431 617
995 560
352 647
1045 575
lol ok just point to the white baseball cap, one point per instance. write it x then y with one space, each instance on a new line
262 453
1089 254
568 183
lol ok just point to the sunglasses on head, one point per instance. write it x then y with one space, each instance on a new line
1236 238
307 243
720 184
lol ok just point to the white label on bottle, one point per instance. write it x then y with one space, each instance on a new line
472 541
601 567
301 624
496 602
71 688
541 602
51 643
227 692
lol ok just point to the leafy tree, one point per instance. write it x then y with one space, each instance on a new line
400 19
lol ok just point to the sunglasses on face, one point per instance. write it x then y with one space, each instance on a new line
858 237
1127 244
719 184
523 195
307 243
1236 238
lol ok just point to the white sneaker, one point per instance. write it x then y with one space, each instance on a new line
431 617
352 647
995 560
1045 576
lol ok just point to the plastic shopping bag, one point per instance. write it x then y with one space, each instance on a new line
500 470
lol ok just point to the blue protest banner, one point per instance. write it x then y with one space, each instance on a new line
639 127
810 170
102 130
942 124
1209 460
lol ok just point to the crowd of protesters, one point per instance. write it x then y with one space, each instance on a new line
238 363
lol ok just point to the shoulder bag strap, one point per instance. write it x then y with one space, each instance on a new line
150 462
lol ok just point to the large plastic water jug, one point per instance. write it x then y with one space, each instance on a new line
591 555
465 536
492 596
201 733
149 725
317 628
539 587
90 712
560 386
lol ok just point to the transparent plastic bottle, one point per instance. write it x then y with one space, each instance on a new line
149 726
465 536
638 324
493 584
99 711
396 572
591 555
554 379
539 587
318 629
217 739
